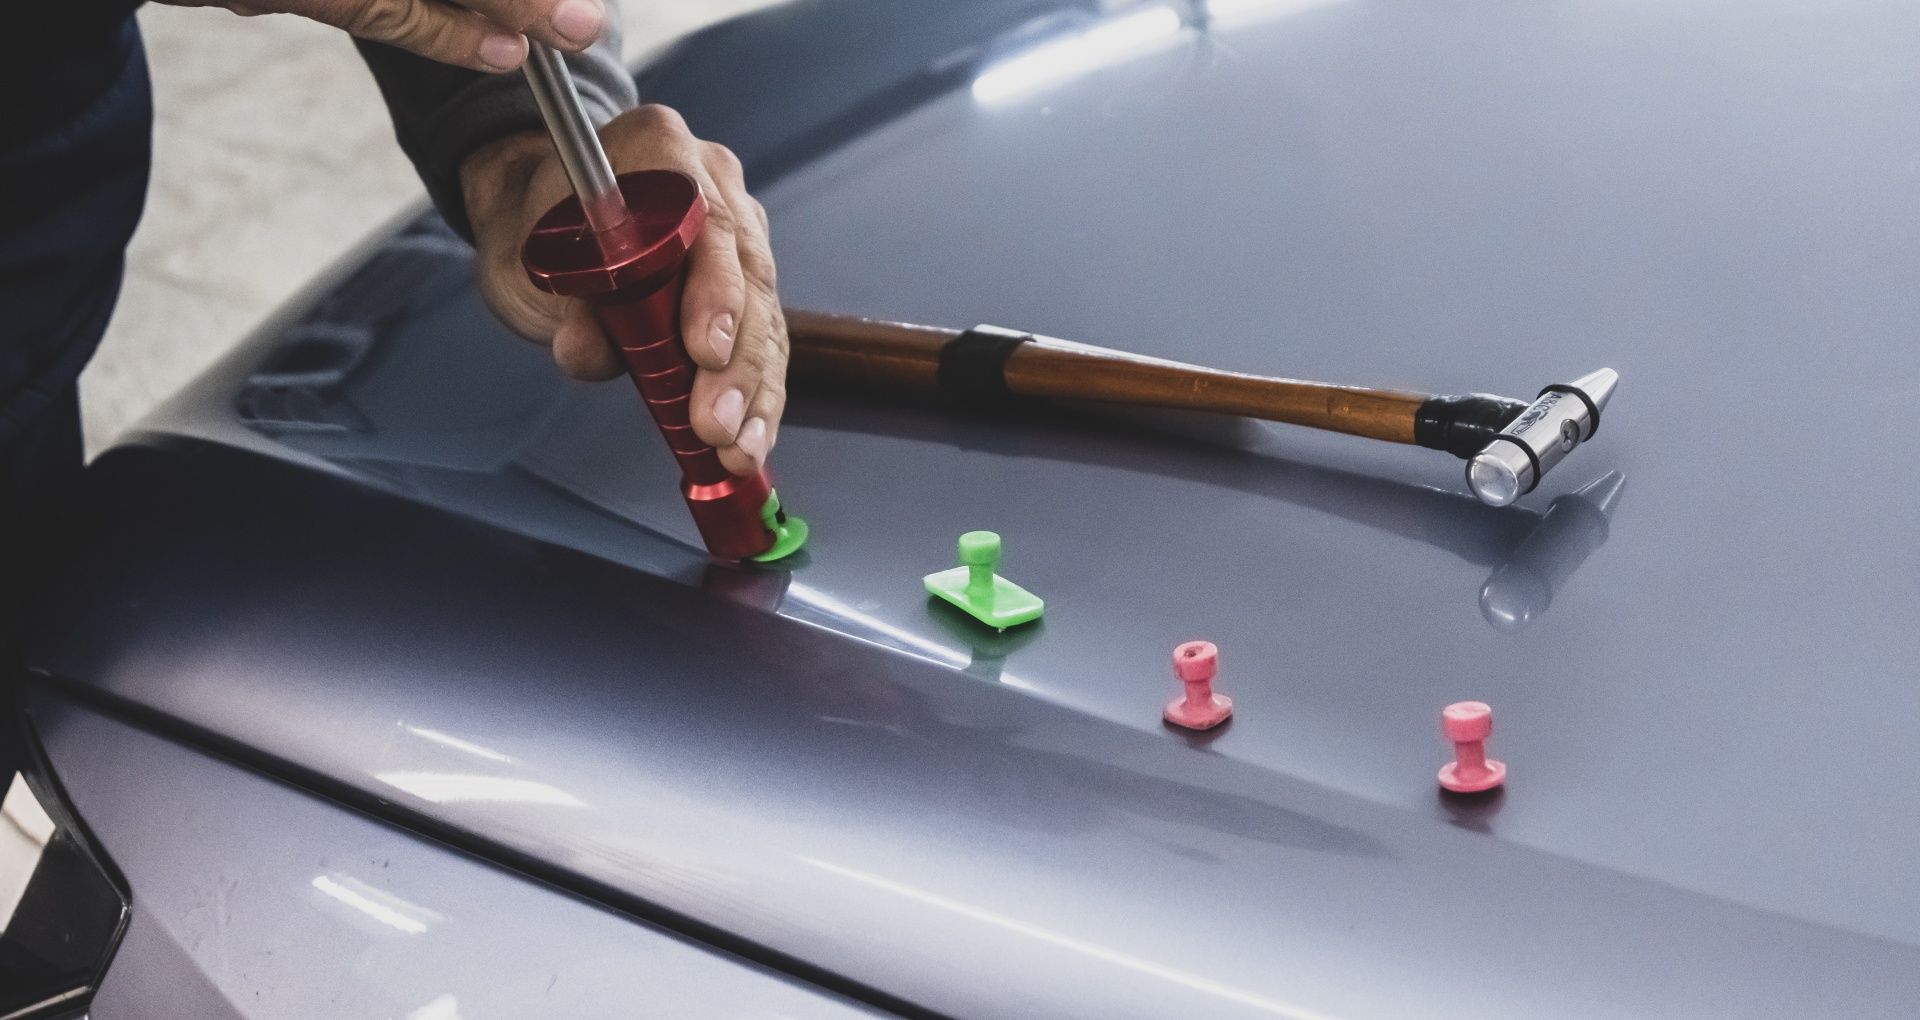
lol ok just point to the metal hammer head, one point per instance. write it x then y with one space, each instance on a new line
1564 416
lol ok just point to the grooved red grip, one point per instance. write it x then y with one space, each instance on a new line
663 373
633 277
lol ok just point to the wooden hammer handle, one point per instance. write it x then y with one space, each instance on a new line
868 353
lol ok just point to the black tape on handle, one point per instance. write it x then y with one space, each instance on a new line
973 365
1463 426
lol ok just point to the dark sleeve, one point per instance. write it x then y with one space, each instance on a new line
441 113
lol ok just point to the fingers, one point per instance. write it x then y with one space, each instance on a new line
737 409
580 348
740 392
760 355
716 295
506 186
429 28
730 308
483 35
566 24
496 183
762 428
712 307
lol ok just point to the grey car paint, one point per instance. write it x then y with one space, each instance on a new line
259 901
1708 728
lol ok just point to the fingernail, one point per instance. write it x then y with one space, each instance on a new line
721 336
727 409
753 440
578 21
501 52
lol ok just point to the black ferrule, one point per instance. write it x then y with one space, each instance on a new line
1464 425
973 365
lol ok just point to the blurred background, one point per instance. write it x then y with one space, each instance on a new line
272 156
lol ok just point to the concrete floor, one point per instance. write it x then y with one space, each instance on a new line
272 156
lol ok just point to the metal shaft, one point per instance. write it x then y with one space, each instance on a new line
575 139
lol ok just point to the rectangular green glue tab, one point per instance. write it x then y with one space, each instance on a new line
976 590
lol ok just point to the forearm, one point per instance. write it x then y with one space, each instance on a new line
442 114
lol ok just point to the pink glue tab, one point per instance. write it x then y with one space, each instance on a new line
1196 663
1468 724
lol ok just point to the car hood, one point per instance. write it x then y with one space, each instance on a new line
384 551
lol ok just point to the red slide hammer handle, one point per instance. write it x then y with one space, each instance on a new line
633 277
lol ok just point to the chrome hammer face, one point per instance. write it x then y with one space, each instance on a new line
1564 416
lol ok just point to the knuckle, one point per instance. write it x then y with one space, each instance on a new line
656 117
768 405
765 359
781 341
521 15
723 280
388 20
374 19
721 218
761 274
773 392
723 161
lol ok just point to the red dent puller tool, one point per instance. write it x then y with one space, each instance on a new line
1196 663
621 244
1468 724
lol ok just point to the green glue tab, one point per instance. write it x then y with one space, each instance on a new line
789 532
979 592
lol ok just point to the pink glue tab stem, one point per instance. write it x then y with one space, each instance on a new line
1195 664
1468 724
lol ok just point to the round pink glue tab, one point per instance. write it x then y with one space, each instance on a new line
1468 724
1195 664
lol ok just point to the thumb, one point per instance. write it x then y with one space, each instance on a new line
581 348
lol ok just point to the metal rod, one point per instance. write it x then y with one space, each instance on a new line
575 139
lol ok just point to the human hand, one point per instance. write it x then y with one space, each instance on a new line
484 35
730 312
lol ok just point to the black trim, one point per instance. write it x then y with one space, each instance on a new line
1593 410
973 365
472 844
37 769
1531 458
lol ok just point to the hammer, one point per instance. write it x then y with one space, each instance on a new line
1509 444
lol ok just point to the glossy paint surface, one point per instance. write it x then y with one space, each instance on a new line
259 901
1705 699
